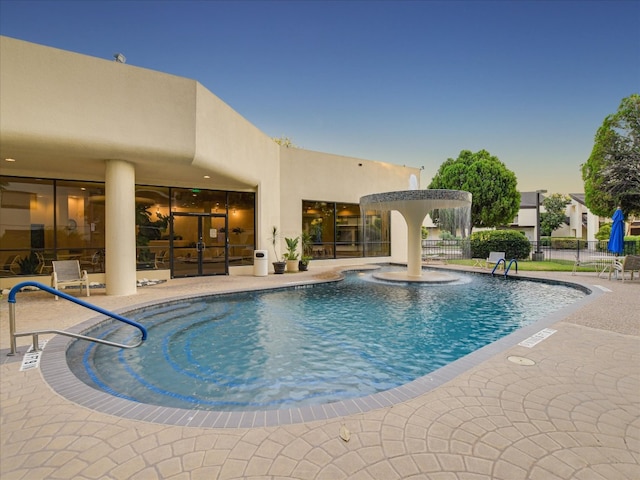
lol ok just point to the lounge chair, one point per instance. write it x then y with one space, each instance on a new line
95 261
162 259
67 272
11 265
495 257
630 263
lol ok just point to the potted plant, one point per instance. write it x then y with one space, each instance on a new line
292 254
306 242
278 265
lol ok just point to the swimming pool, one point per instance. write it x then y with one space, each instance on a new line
308 346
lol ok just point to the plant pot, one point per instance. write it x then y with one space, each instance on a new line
303 266
279 267
292 266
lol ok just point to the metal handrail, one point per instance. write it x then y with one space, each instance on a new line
502 260
506 268
12 319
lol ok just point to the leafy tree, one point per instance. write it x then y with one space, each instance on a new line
611 175
555 206
496 199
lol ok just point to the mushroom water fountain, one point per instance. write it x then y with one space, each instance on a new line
414 205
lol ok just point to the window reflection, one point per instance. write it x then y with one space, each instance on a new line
338 230
80 222
377 233
241 215
26 225
152 227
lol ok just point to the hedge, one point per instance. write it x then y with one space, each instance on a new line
513 243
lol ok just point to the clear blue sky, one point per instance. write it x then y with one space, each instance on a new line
406 82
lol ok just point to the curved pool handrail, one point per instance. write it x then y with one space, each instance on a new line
506 270
502 260
53 291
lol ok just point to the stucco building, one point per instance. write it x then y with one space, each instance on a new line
131 170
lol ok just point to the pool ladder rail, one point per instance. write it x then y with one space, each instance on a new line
506 268
12 320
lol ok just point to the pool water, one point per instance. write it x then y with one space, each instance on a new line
296 347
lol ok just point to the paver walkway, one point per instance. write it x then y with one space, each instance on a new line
574 414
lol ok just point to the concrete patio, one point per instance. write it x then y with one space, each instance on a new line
573 414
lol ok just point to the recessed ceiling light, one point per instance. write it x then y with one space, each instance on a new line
9 159
207 176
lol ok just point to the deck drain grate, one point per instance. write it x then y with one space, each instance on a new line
521 360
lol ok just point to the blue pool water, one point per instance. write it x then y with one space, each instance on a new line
296 347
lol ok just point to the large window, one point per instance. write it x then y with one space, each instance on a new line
241 214
45 220
338 230
79 221
152 227
377 233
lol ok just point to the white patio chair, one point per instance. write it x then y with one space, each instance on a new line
495 257
67 272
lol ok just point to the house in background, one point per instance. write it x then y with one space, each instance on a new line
579 223
582 223
525 220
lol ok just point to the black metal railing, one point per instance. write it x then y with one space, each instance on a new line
551 249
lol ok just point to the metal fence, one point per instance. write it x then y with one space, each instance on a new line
551 249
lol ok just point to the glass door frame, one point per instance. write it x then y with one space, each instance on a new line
201 246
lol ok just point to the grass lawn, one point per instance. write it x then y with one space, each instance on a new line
527 265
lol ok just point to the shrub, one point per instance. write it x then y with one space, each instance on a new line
545 241
631 245
604 232
514 244
568 243
447 236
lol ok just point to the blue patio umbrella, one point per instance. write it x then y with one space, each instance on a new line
616 238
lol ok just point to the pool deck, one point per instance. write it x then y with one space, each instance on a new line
573 414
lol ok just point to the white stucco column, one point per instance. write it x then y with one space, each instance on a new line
593 225
120 228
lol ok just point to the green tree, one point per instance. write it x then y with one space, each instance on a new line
496 199
555 206
611 175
